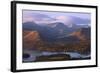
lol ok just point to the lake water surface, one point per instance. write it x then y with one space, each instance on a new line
34 54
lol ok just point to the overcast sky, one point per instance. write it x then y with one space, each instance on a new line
49 16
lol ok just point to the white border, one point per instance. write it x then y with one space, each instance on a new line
37 65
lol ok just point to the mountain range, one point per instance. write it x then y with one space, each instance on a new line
55 30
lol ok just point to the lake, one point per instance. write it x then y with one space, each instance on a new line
32 54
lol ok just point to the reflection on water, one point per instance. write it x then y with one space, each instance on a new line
77 55
33 54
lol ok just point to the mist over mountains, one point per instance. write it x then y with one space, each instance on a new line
54 26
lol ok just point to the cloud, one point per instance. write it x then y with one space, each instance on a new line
68 20
28 19
43 19
36 17
65 19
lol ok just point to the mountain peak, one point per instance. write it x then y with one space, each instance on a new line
57 24
82 34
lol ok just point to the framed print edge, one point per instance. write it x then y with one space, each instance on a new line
14 34
96 36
